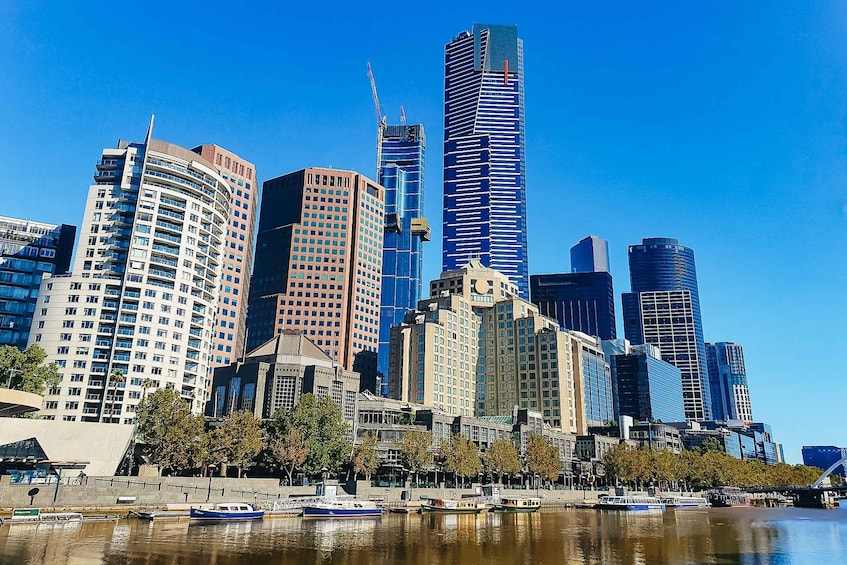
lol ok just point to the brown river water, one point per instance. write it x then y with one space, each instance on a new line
747 536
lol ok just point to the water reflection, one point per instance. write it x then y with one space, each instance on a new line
582 537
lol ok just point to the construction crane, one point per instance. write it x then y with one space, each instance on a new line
380 118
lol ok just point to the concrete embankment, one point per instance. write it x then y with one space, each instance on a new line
120 494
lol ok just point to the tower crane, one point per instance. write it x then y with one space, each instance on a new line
380 117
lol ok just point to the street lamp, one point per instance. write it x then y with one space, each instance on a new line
324 471
211 472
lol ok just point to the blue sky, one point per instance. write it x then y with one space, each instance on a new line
721 124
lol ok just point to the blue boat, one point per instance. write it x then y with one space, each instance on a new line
342 509
629 503
226 512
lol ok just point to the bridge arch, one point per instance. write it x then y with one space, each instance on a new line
828 472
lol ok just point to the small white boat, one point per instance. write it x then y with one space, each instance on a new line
685 501
342 509
517 504
630 502
227 511
453 506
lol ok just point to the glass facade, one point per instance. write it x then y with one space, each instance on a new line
728 382
484 153
401 173
648 388
663 309
597 387
824 456
591 254
584 302
28 251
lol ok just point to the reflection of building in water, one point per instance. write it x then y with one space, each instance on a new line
331 535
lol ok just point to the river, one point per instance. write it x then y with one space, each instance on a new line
748 536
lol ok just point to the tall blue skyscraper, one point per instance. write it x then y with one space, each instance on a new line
728 382
401 172
484 146
663 309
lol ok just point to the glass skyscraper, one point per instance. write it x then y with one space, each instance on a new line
484 147
401 173
590 255
728 382
647 387
663 309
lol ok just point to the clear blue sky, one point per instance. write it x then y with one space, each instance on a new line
721 124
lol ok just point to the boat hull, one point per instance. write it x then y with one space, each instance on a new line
514 509
224 516
328 513
428 509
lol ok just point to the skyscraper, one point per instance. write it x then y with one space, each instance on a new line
590 255
28 251
140 301
237 254
648 388
728 382
663 309
584 299
319 261
484 147
401 172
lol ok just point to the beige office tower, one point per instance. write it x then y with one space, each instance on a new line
237 257
137 311
318 262
476 348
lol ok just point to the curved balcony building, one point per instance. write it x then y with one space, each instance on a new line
142 296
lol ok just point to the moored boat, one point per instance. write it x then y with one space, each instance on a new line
630 502
342 509
726 497
685 502
227 511
517 504
452 506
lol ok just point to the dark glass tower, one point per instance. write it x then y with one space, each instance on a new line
401 172
583 300
728 382
663 309
484 146
648 388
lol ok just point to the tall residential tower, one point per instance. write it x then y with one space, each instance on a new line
728 382
137 311
663 309
484 153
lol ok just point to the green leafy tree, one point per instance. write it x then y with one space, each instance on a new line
238 440
173 438
711 444
365 458
461 457
27 370
542 458
502 458
322 426
416 450
289 451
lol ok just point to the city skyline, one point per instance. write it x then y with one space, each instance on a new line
643 121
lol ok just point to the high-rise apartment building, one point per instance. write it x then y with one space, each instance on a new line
476 348
318 264
401 173
28 251
584 299
728 382
663 309
484 147
237 254
648 388
590 255
141 298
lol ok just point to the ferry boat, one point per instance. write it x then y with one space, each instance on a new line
726 497
227 511
517 504
329 508
629 502
685 501
452 506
